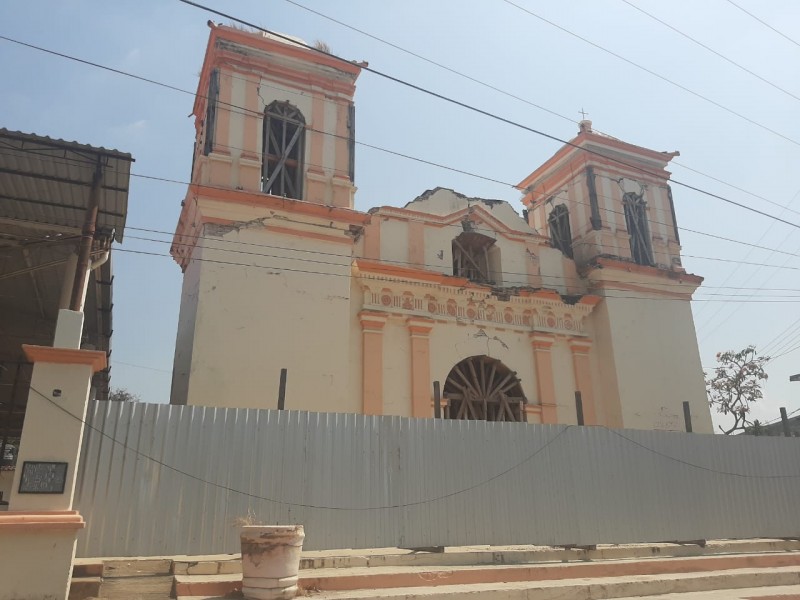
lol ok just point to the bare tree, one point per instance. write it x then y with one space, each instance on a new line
122 395
736 384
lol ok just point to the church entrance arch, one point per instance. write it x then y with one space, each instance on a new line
484 389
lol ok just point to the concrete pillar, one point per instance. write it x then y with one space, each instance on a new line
69 279
421 383
545 383
372 324
38 533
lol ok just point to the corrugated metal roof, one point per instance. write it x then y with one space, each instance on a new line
44 180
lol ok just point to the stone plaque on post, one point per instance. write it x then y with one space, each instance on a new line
39 477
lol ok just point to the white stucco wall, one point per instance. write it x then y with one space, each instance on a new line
564 379
277 311
551 266
394 242
184 343
653 352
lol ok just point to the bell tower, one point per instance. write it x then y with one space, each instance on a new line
608 205
267 227
273 116
601 197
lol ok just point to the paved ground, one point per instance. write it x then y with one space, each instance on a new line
789 592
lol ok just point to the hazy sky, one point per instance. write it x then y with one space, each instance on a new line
490 41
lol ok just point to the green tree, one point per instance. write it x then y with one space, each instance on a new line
736 384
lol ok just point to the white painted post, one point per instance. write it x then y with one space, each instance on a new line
38 533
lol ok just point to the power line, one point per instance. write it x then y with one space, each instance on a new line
350 256
616 212
455 226
489 114
741 262
650 71
172 87
127 364
432 62
777 419
732 186
779 336
788 341
278 270
514 96
764 23
787 352
423 90
731 274
702 45
659 286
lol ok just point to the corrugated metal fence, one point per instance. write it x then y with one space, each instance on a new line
161 480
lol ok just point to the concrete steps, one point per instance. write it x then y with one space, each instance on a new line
142 578
587 589
521 571
407 577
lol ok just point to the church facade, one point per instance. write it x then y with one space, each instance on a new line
576 311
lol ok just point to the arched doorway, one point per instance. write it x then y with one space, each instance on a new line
483 388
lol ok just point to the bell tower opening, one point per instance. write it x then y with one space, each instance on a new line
284 147
476 257
600 199
636 222
560 230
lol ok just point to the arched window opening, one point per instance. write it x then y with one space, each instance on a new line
284 146
560 231
484 389
475 257
211 113
636 221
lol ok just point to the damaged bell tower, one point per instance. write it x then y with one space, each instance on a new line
267 222
608 205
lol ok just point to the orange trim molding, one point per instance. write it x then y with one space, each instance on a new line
372 320
312 234
419 325
620 286
580 345
66 356
545 381
41 520
371 266
542 341
419 328
344 215
372 324
610 263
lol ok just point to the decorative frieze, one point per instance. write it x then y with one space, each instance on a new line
540 311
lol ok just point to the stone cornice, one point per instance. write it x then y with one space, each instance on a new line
41 520
419 326
96 359
372 321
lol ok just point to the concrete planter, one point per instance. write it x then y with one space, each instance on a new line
271 560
